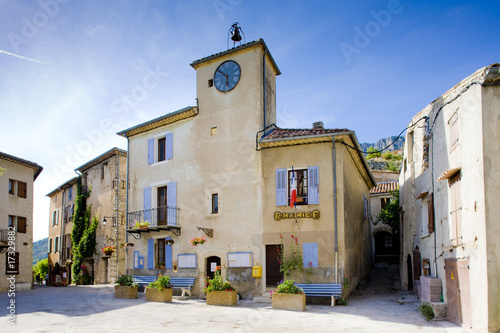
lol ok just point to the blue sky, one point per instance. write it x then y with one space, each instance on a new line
73 73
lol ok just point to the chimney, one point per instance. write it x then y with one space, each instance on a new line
318 125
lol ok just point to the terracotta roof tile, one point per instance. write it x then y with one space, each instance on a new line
281 133
385 187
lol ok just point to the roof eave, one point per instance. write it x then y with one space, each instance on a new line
104 156
260 41
167 119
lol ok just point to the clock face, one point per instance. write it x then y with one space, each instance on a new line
227 75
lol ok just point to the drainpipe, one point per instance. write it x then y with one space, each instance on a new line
334 159
264 85
126 206
117 211
61 229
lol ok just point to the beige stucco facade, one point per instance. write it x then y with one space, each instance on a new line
16 221
456 145
219 147
62 205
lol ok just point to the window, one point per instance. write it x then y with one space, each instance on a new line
12 263
55 217
12 186
301 176
307 186
455 210
213 131
384 202
56 244
160 257
50 245
70 193
162 205
21 224
161 149
387 240
21 189
102 170
55 198
215 203
453 124
12 220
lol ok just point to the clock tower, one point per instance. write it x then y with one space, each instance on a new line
238 86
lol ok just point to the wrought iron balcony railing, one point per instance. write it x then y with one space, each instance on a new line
160 218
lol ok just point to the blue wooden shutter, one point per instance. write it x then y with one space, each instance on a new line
310 254
136 259
313 185
172 203
151 151
281 186
151 254
168 254
169 146
147 204
141 262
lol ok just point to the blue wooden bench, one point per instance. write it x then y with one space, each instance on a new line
144 280
333 290
185 284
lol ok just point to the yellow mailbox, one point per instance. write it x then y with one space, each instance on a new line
257 271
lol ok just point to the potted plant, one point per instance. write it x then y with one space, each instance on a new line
108 250
141 224
220 292
126 288
159 290
288 297
195 241
160 265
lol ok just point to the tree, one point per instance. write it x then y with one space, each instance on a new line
41 267
372 153
390 214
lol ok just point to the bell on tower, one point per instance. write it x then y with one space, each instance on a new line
235 32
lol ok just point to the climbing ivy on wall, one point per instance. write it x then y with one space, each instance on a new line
81 219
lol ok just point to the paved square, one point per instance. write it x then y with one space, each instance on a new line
94 309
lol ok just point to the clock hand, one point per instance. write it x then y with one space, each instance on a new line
227 76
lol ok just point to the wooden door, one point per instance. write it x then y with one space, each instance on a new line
464 290
416 264
212 263
273 274
162 205
452 293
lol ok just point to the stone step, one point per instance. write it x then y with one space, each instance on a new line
262 299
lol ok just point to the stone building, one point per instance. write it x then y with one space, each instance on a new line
221 169
62 207
449 197
105 177
17 178
385 243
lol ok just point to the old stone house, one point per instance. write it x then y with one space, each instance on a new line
449 197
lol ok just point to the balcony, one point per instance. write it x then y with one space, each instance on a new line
160 218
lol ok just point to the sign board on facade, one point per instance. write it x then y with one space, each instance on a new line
297 215
186 260
240 259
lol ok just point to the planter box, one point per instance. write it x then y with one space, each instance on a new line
296 302
225 298
126 292
155 295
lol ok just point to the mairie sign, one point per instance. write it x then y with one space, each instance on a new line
297 215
